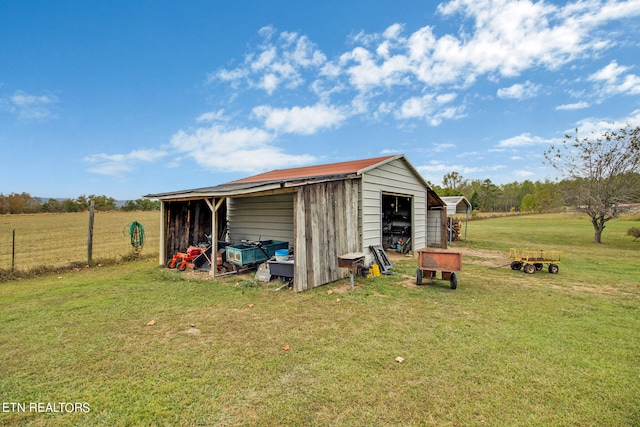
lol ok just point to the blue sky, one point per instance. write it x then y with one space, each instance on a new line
126 98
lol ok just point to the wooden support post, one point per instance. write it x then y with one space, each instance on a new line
214 231
90 238
13 250
164 223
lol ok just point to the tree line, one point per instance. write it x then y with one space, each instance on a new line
525 196
23 203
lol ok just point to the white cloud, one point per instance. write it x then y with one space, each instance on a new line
504 37
614 79
410 76
431 108
519 91
576 106
609 74
30 107
119 164
434 170
524 174
222 149
496 38
275 63
300 120
439 148
524 140
598 126
212 116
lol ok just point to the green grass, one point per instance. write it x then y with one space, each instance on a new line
503 349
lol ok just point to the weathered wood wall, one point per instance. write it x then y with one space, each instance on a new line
326 223
186 222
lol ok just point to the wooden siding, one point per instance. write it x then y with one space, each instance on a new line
395 178
261 218
326 217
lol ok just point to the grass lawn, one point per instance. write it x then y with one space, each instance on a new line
504 349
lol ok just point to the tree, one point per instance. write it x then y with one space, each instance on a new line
141 205
453 181
603 169
52 205
21 203
488 195
528 203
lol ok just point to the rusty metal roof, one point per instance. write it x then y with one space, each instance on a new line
331 169
281 178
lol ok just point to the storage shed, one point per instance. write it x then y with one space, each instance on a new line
323 211
457 205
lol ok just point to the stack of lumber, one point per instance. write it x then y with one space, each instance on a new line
455 227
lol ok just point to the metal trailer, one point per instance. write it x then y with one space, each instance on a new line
430 262
532 260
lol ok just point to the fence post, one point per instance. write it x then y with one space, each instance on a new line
90 238
13 250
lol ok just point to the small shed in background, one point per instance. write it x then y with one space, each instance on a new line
456 205
323 211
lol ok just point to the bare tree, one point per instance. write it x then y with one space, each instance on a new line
602 168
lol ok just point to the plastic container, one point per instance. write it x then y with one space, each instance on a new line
282 254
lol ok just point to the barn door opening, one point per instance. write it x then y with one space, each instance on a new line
397 221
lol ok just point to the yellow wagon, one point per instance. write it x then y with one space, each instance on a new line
532 260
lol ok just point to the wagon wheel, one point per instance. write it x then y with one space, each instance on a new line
516 265
171 263
183 265
529 268
454 280
538 266
553 268
418 277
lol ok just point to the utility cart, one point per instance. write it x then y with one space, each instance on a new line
447 263
253 253
532 260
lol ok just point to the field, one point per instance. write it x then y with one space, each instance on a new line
136 344
57 240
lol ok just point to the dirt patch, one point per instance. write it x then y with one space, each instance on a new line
484 257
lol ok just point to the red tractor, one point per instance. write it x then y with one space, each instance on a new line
182 260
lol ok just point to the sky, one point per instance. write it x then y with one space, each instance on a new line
126 98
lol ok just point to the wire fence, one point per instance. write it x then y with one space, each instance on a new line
33 241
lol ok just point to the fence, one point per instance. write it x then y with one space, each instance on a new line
59 240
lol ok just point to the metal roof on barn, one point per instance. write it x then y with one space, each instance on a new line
330 169
280 178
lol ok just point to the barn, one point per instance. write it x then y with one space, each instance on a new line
322 211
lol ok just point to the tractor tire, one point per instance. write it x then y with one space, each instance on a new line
529 268
418 277
454 280
553 268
